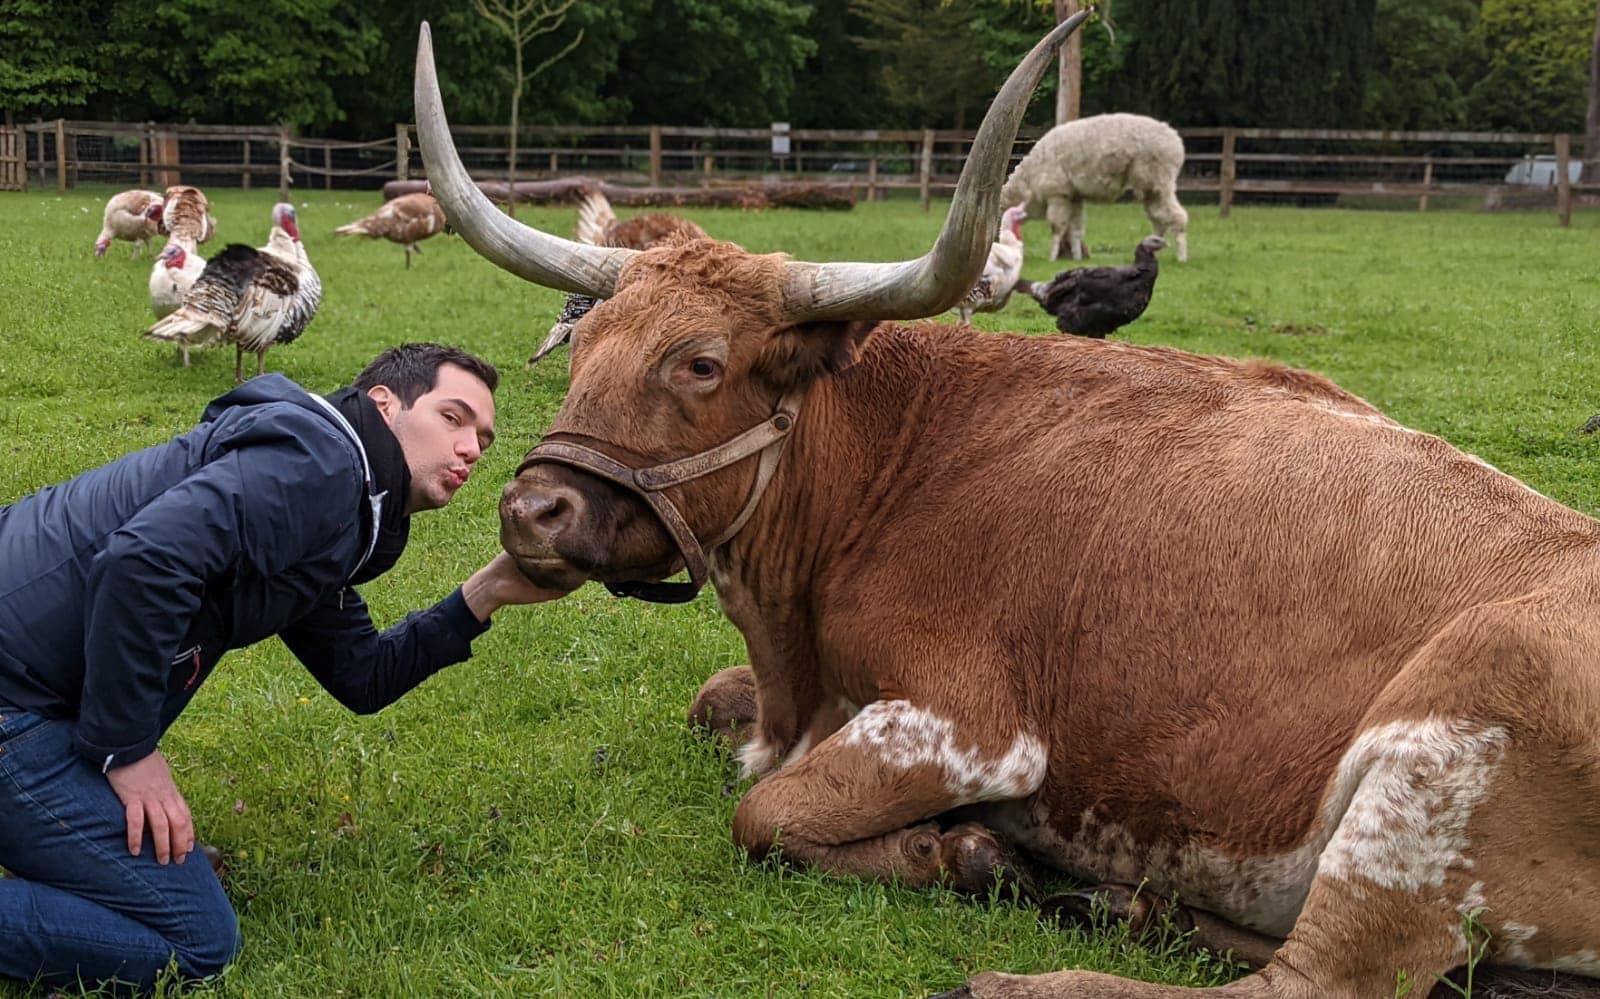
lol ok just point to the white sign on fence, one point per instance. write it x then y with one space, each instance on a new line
780 138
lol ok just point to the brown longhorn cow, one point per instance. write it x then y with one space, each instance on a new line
1211 626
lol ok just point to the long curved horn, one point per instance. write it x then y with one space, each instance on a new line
523 250
937 280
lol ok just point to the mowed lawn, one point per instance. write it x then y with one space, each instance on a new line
540 820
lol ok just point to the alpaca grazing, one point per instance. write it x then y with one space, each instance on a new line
993 288
407 220
1096 301
174 273
253 299
598 225
1096 159
134 216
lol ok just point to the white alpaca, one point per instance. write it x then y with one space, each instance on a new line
1096 159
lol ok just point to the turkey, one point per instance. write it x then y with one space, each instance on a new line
407 220
134 216
993 287
186 215
171 278
598 225
253 299
1095 301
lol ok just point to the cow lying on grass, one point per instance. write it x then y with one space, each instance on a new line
1214 626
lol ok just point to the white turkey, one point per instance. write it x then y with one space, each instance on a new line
174 273
407 220
253 299
134 216
993 288
598 225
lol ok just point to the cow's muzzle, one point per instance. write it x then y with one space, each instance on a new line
552 511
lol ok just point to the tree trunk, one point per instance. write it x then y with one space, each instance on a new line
1591 136
1070 62
516 104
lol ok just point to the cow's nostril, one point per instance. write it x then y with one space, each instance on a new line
546 514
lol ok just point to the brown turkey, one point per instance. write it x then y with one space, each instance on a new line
598 225
407 220
1095 301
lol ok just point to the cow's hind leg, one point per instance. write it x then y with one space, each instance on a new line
860 802
1147 913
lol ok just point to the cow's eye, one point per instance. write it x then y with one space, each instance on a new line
704 367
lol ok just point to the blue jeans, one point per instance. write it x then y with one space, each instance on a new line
78 907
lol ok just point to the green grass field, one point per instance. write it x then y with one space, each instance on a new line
540 820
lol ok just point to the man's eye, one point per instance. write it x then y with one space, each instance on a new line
455 421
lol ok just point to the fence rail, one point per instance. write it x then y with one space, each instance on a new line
1232 164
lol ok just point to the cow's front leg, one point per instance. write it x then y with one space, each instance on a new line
859 802
726 705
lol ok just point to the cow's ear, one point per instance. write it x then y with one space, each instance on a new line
798 354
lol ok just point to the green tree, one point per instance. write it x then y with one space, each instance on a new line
724 62
1538 65
523 21
46 56
233 61
1295 63
1427 53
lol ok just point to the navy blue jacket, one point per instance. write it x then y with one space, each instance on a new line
122 587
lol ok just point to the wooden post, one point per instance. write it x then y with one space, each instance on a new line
402 152
327 168
145 143
1427 182
244 178
707 166
1563 178
283 163
927 167
1229 166
872 179
555 163
61 156
655 155
1069 66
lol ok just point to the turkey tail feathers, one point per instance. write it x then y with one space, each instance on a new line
594 217
184 327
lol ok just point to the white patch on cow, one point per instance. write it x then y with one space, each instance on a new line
1584 962
1409 789
849 708
906 736
1406 787
799 750
1511 942
758 757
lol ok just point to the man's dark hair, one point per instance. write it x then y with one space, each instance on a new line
412 369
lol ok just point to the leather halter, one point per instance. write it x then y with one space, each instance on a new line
648 483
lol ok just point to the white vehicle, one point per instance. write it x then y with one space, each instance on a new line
1540 171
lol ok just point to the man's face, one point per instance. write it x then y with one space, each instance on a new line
442 434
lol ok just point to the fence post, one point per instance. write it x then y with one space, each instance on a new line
872 179
555 163
1564 178
283 163
1427 183
144 156
402 151
327 168
927 166
61 156
244 178
1229 167
706 167
655 155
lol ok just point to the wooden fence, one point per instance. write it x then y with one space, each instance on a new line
1224 164
13 165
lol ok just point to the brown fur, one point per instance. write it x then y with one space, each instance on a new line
1199 585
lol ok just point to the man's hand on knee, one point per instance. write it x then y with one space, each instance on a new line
152 799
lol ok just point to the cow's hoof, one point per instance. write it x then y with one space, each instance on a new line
726 705
1142 910
975 861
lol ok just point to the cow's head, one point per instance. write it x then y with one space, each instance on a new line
695 343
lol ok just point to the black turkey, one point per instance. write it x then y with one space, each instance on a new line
1095 301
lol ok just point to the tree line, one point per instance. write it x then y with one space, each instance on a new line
344 69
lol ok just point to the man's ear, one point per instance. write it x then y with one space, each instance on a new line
387 402
803 352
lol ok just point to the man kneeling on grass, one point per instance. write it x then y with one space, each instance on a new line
121 588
